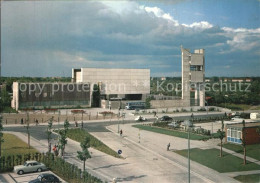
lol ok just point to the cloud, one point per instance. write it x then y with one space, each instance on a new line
124 34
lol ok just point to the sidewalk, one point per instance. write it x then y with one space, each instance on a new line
155 144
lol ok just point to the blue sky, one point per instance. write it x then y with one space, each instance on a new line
48 38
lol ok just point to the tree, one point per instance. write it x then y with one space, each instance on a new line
63 137
1 134
96 96
221 135
148 102
243 139
84 154
49 132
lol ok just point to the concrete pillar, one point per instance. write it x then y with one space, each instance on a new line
185 77
202 96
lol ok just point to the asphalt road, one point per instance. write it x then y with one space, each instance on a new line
39 132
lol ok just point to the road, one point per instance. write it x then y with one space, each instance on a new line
143 162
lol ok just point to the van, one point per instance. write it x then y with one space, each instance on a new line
254 115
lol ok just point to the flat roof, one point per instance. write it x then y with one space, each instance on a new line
247 125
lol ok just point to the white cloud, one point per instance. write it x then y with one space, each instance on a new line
160 13
202 25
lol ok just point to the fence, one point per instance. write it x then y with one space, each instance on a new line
45 117
64 169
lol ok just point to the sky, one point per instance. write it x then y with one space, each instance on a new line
49 38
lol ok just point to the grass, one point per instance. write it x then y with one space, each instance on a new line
253 178
14 146
172 132
79 135
211 159
252 151
235 106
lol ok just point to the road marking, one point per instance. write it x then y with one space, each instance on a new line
172 162
12 178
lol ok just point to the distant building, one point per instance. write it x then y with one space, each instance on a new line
234 133
163 78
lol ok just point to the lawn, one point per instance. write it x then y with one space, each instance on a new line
172 132
235 107
252 151
211 159
79 135
13 146
253 178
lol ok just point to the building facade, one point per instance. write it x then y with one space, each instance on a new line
124 84
50 95
234 133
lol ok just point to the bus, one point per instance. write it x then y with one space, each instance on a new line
135 105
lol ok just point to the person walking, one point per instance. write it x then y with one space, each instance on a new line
36 122
168 147
121 132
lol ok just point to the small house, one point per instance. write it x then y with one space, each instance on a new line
252 133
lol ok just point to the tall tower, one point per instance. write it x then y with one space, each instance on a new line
193 77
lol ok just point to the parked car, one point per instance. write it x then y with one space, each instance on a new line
165 118
237 118
140 118
46 177
29 166
174 125
235 113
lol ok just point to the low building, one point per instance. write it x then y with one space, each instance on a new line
234 133
50 95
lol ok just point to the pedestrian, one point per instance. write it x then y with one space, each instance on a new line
36 122
168 147
121 132
76 124
21 121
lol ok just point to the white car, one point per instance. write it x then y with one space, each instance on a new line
29 166
237 118
174 125
140 118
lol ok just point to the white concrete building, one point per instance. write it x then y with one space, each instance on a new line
125 84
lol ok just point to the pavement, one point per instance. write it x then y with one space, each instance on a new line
147 161
15 178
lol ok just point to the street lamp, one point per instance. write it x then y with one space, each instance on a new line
187 123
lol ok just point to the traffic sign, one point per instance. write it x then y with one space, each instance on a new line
119 151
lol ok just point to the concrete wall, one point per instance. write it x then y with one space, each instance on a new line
185 77
169 103
197 76
118 81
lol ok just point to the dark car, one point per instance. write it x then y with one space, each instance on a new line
46 177
165 118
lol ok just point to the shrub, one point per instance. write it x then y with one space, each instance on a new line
211 109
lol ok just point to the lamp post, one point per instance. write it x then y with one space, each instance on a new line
187 124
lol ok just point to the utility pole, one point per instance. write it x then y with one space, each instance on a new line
189 155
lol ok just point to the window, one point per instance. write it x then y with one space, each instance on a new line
228 132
